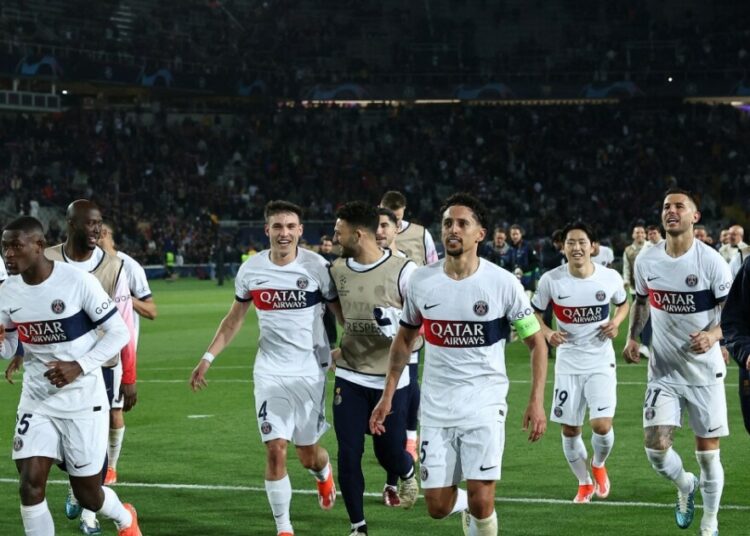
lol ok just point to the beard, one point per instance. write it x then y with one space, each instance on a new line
455 252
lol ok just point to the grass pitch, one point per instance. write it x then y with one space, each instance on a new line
193 463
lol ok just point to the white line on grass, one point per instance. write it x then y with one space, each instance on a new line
255 489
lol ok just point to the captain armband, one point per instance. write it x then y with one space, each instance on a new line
526 326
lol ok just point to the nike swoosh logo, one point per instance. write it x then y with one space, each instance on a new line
483 468
563 297
652 278
11 311
426 307
601 409
713 429
261 282
81 466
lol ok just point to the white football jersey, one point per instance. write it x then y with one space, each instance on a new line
3 271
684 294
289 303
138 284
581 306
57 320
465 324
605 258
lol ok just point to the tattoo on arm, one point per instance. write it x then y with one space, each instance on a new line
658 437
638 316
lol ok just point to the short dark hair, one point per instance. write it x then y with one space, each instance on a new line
382 211
557 235
653 228
25 224
699 227
518 226
580 226
690 195
325 238
469 201
499 230
278 206
393 200
360 215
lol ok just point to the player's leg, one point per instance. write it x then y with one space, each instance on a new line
310 425
661 416
600 390
481 454
275 413
85 451
35 514
440 473
116 428
569 409
412 415
744 386
707 411
351 414
389 446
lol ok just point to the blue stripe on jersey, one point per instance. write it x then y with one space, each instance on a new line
57 331
465 333
103 319
675 302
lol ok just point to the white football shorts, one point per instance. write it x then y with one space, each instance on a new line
575 392
291 408
706 407
80 442
451 454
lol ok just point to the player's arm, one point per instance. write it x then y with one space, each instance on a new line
399 356
431 254
128 355
228 329
145 307
611 328
540 301
639 314
534 418
554 338
626 270
335 307
9 340
702 341
735 318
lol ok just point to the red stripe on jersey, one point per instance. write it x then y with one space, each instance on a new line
275 300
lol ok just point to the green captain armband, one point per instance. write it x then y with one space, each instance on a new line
526 326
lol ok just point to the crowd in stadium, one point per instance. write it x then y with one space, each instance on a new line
167 183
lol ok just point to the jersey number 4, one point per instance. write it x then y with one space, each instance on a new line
263 413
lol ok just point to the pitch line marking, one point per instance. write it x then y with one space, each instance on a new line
256 489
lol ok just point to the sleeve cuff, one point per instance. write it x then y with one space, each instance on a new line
410 326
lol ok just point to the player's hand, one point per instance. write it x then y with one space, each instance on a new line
130 394
535 421
2 333
379 414
62 373
701 342
556 338
608 330
198 377
13 367
632 351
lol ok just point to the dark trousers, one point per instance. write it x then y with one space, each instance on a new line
352 407
412 411
745 397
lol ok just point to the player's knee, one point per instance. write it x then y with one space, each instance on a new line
437 509
31 492
308 457
90 499
276 453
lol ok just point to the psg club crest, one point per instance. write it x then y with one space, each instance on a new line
58 306
17 443
601 296
481 308
558 412
650 413
691 280
302 283
265 428
423 473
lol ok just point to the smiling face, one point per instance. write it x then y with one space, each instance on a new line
461 230
85 227
639 235
386 232
577 248
679 214
283 231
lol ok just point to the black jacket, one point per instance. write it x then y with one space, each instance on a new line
735 318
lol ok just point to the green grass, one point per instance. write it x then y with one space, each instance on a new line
163 446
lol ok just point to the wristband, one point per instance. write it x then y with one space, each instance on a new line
208 356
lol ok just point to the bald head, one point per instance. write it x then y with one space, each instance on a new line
84 224
736 234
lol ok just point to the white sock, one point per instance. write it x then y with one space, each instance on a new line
113 509
575 453
37 520
669 465
115 445
88 516
322 475
484 527
712 484
602 446
462 502
279 494
411 434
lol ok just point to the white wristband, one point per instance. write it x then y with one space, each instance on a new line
208 356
